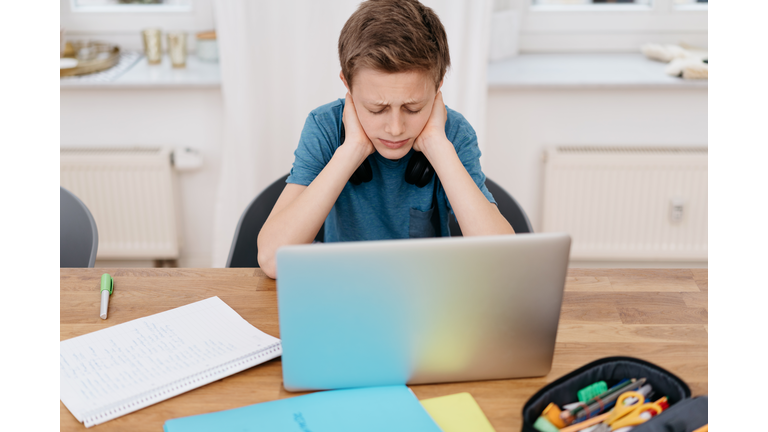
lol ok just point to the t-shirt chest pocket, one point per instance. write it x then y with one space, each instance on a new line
421 224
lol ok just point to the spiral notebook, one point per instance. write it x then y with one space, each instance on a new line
121 369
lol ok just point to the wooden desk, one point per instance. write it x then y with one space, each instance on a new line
656 315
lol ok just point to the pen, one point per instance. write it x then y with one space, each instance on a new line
107 286
568 414
605 400
610 397
586 423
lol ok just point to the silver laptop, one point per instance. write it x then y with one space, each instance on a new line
435 310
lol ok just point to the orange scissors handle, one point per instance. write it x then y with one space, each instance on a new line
620 410
637 415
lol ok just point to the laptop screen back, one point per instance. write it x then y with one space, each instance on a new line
419 311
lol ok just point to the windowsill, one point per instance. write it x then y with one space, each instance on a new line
133 8
605 7
197 75
528 71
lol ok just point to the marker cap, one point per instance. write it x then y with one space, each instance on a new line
107 284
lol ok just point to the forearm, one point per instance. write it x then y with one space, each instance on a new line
298 221
475 214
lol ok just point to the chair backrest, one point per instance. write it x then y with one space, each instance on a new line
78 238
508 207
244 251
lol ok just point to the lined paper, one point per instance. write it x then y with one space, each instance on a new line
111 372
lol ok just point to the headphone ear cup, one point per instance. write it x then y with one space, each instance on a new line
415 164
366 173
362 174
426 176
418 171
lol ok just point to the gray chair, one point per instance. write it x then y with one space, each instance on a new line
244 251
78 238
508 207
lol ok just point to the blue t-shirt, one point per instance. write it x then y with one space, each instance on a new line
386 207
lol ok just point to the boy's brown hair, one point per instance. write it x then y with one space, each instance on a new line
394 36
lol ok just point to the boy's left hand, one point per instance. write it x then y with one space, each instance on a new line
434 130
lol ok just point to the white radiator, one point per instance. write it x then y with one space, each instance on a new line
131 194
628 203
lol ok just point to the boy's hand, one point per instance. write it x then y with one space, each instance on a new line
434 130
354 135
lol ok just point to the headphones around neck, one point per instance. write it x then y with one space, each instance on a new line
418 171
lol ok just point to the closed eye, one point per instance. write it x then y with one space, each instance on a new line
406 110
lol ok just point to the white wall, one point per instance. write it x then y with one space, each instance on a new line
523 122
158 117
520 124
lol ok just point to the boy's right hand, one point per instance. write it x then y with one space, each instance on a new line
354 134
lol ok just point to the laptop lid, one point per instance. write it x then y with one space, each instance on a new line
418 311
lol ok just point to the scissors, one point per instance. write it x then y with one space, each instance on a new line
631 414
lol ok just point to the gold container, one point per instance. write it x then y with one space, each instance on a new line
177 49
90 57
152 45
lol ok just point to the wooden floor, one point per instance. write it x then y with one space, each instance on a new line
658 315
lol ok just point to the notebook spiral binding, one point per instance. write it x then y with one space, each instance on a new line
180 386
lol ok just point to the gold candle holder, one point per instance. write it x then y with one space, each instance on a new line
152 45
177 49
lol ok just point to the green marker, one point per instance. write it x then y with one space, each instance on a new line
107 286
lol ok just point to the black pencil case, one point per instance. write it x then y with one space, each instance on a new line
676 418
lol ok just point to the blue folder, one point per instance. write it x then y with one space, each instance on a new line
372 409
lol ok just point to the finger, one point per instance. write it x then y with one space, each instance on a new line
352 109
437 99
440 99
349 100
347 104
438 105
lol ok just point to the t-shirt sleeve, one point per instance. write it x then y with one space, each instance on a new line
316 146
465 143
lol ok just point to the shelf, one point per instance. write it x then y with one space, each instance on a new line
583 71
523 71
197 75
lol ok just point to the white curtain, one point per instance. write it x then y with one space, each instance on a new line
279 61
465 88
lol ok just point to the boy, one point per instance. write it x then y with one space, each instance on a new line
390 160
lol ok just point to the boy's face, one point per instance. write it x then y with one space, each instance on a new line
393 108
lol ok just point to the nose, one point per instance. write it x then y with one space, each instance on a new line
395 124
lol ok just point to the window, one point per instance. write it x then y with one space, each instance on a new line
691 4
121 21
583 2
131 5
561 26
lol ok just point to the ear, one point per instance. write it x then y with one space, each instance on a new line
341 75
440 86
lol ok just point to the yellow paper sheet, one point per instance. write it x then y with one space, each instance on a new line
457 413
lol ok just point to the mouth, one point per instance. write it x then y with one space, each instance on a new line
393 144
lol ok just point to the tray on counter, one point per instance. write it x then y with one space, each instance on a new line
91 57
